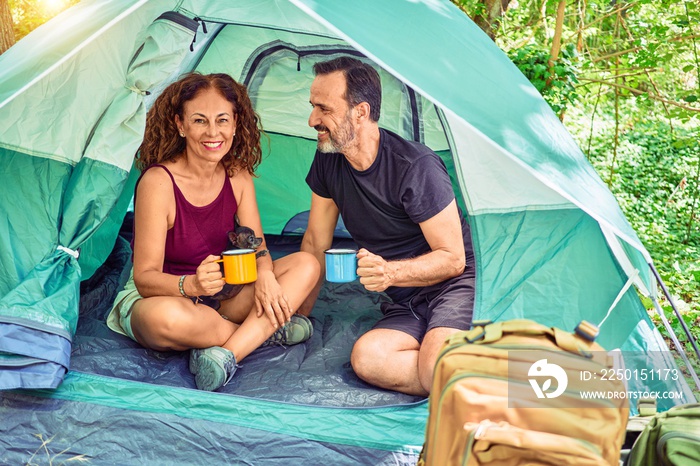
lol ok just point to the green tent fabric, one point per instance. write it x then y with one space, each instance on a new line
40 302
551 242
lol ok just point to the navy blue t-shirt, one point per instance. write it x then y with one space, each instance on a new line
382 206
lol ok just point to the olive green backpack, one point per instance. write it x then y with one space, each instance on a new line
671 438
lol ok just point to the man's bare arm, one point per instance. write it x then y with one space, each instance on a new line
323 218
443 232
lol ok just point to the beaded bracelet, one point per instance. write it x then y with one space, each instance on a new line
182 288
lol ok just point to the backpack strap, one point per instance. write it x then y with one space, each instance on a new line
647 406
494 331
578 343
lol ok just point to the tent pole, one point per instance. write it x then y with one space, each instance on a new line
671 333
675 310
676 343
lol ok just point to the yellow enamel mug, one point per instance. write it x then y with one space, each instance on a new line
239 266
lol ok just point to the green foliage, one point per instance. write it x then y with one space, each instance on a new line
556 81
647 51
655 182
30 14
691 320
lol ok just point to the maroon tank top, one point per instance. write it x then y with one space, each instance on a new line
198 231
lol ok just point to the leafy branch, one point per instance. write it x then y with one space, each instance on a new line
640 92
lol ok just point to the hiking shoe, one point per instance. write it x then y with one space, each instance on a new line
297 330
212 367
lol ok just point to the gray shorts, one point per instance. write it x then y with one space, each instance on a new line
447 304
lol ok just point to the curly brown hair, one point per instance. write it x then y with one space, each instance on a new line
161 141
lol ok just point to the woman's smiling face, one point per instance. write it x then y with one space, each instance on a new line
209 124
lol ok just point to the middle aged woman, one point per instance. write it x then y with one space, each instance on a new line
198 156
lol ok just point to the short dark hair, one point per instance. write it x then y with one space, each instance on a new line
362 82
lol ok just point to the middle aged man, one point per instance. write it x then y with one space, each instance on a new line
397 202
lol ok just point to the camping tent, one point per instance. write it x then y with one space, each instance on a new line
551 242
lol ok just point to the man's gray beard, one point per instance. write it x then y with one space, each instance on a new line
331 146
327 147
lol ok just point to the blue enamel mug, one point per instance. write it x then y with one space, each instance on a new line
341 265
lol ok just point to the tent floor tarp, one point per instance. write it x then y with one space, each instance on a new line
123 404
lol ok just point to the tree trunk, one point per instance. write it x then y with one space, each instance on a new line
7 33
490 19
556 45
556 40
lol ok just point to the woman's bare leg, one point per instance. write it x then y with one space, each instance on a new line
170 323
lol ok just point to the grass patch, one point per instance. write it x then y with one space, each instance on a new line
44 456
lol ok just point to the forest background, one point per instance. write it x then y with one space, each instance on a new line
624 78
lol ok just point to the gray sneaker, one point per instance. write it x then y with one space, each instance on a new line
297 330
212 367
